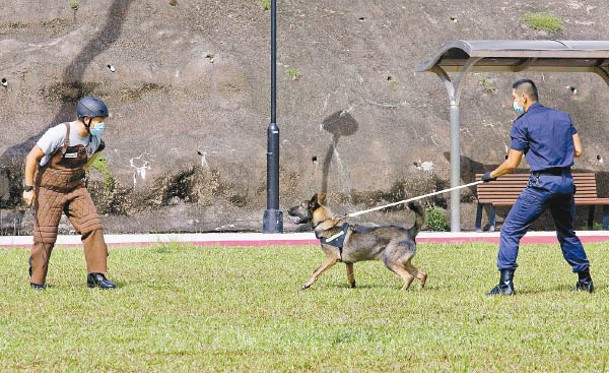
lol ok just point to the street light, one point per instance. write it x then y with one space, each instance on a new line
272 221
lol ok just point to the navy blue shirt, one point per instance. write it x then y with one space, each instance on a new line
545 136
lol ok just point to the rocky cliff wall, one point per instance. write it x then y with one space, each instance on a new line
187 83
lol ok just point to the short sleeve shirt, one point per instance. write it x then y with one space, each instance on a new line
545 135
54 137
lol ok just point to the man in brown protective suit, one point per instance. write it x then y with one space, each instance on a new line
54 176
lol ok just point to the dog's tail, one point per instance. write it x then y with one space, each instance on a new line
419 217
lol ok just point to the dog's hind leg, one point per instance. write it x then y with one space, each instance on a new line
420 275
350 275
331 260
402 272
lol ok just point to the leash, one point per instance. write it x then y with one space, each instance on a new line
358 213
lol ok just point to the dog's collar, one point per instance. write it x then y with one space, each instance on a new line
320 223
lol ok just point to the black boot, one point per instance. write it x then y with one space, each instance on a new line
100 281
585 282
506 284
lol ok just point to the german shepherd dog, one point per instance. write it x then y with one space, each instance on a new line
342 242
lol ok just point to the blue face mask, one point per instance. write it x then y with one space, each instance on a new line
98 129
518 109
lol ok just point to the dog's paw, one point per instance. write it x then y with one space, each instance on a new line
305 287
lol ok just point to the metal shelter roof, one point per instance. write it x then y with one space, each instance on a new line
521 55
464 56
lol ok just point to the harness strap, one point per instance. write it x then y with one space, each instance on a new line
337 240
330 239
66 142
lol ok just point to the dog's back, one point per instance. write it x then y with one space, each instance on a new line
365 242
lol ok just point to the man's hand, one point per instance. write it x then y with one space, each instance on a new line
487 177
28 197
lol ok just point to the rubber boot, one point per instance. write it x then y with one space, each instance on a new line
585 282
506 284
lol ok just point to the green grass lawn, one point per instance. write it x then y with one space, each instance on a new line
185 308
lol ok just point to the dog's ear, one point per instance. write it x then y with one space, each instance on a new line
316 201
321 199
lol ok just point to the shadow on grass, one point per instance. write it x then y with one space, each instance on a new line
560 288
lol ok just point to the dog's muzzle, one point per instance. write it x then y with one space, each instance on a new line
296 219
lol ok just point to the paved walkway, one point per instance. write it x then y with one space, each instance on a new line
289 239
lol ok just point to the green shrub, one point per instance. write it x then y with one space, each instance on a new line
543 21
293 73
266 4
488 84
436 219
74 4
104 193
101 165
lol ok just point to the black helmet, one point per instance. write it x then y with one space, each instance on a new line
90 106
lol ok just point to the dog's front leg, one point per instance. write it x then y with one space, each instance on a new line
350 275
331 260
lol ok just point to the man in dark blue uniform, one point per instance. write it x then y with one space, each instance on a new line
548 140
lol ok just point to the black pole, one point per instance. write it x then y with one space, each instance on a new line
272 221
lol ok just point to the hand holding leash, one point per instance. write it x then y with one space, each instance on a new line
487 177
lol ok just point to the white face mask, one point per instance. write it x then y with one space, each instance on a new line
98 129
518 109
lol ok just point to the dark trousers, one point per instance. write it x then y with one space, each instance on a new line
553 192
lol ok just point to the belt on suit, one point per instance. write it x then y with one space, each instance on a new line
556 171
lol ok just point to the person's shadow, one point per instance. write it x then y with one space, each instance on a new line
72 89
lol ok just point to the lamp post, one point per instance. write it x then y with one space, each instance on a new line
272 221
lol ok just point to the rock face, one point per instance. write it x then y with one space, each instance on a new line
187 83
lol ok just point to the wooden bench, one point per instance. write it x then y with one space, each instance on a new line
505 190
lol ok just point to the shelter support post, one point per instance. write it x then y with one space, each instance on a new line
454 94
603 73
455 168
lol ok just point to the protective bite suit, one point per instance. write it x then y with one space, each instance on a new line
59 189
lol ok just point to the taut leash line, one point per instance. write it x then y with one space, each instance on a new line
358 213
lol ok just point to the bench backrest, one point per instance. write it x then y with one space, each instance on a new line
505 190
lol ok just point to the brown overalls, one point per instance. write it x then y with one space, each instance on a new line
59 188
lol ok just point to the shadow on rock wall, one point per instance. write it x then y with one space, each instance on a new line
339 124
68 91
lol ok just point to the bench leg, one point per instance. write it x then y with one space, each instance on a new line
605 217
479 208
491 218
591 211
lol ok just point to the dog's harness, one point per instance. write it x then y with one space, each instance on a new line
337 240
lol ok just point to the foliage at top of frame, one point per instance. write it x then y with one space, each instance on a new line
543 21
